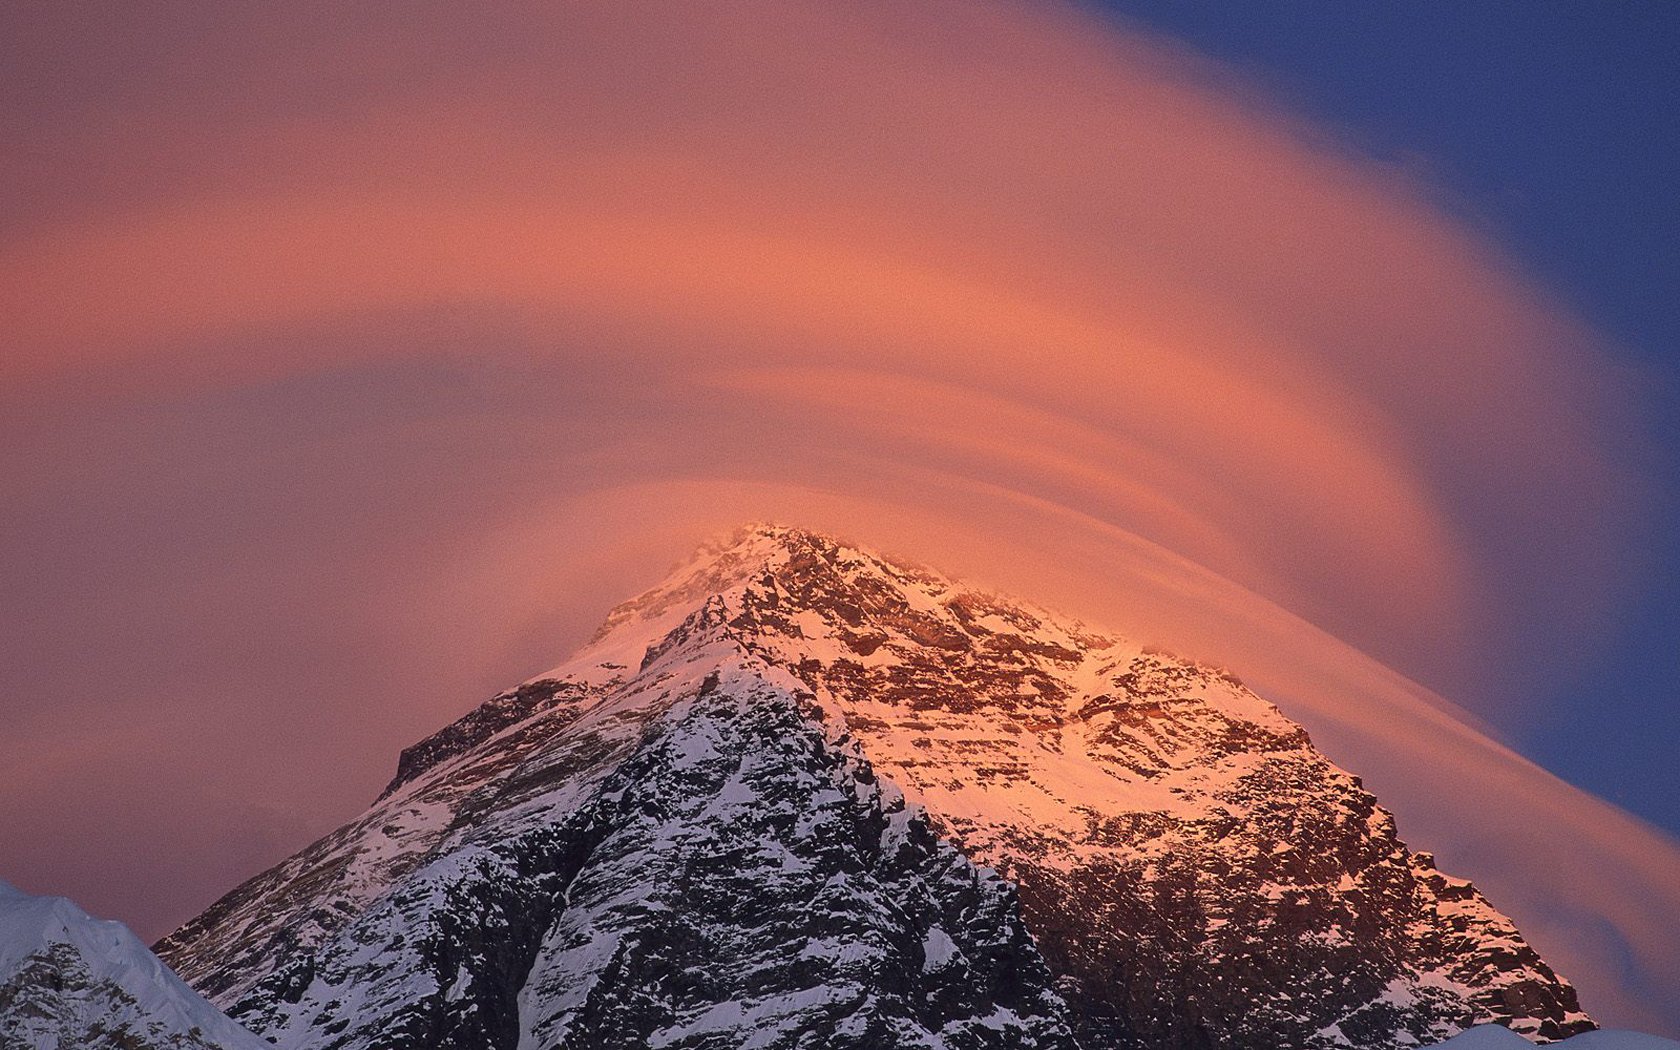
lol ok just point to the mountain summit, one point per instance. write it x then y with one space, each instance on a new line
799 794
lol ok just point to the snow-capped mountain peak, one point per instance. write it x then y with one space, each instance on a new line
1193 873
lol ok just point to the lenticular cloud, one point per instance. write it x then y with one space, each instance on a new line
1002 288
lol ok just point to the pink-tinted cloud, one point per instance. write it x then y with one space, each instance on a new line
352 368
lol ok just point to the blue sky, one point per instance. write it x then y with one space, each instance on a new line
1555 129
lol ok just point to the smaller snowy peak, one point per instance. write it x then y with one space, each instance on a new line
1497 1037
68 980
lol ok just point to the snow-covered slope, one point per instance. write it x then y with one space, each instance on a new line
72 982
691 862
1192 871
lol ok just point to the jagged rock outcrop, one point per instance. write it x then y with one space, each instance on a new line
551 869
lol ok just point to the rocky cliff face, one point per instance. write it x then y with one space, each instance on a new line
695 834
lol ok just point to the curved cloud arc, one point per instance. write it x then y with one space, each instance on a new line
1301 328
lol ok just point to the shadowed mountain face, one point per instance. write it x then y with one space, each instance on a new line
696 834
